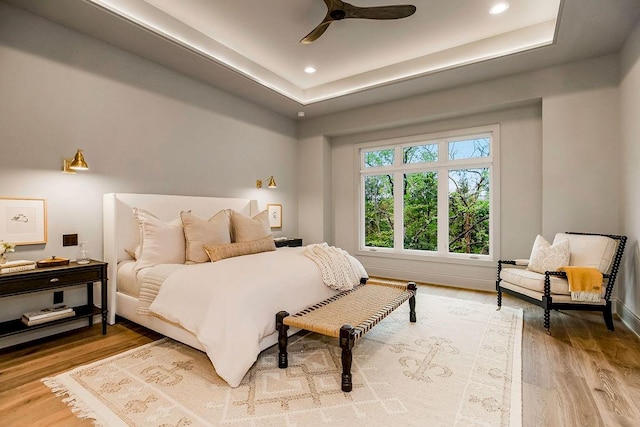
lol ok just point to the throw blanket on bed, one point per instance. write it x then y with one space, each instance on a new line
585 283
151 283
340 271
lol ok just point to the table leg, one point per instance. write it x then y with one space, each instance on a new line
90 301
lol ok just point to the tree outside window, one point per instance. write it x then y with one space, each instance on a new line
416 172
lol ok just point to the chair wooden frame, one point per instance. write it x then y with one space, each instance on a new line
547 300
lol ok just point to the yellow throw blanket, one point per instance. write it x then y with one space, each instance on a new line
585 283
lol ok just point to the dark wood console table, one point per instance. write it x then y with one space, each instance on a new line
292 242
56 278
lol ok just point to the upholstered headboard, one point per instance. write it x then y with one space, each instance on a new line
120 229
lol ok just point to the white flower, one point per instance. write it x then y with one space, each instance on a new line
6 247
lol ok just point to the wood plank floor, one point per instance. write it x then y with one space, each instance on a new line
581 375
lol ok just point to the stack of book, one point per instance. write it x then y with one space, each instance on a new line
19 265
47 315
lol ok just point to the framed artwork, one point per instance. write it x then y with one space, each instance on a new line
23 221
275 215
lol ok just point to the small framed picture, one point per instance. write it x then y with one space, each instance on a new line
275 215
23 221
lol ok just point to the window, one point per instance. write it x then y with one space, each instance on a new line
431 195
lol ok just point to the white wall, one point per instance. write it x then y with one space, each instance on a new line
629 289
314 189
577 106
143 129
581 149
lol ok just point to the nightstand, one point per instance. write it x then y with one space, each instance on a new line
289 242
56 278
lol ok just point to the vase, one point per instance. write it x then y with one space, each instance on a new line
83 256
3 259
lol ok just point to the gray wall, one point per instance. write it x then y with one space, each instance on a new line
143 128
629 290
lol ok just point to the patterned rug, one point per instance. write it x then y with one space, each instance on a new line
459 365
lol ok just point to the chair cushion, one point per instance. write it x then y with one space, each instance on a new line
538 295
534 281
589 251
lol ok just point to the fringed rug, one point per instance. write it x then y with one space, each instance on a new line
459 365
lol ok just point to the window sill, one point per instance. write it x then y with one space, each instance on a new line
461 260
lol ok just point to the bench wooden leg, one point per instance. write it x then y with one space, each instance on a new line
283 339
412 301
346 343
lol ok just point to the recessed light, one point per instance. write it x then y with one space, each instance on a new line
309 70
300 113
499 8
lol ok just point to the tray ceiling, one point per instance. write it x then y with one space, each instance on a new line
251 48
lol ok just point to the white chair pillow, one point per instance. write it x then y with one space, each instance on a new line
548 257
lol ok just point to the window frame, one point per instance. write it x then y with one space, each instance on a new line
442 167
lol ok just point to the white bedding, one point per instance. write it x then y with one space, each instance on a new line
230 305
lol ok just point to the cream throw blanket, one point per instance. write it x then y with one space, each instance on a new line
340 271
585 283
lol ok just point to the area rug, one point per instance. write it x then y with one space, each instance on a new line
459 365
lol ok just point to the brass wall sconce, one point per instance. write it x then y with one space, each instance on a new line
76 164
271 183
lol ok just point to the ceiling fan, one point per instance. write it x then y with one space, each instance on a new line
338 10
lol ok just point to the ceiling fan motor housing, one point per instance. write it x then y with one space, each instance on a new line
337 14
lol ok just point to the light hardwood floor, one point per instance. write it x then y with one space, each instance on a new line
581 375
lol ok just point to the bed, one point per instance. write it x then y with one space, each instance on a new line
244 291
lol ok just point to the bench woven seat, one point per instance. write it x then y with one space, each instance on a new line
362 308
347 316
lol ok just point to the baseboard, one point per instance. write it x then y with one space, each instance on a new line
436 279
628 317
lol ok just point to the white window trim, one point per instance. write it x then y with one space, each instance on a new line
442 166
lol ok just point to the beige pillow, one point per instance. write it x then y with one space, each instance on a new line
220 252
199 232
547 257
160 242
245 229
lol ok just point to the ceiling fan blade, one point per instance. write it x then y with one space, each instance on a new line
338 10
379 12
318 31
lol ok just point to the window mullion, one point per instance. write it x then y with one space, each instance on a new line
443 210
398 212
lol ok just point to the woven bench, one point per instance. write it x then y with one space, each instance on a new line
363 307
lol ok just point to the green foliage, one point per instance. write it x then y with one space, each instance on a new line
379 158
378 211
421 211
420 154
469 211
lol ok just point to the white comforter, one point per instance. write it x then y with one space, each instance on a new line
230 305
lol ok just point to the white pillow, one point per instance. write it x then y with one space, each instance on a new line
199 232
245 229
160 242
547 257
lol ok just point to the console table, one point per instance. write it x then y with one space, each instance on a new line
56 278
